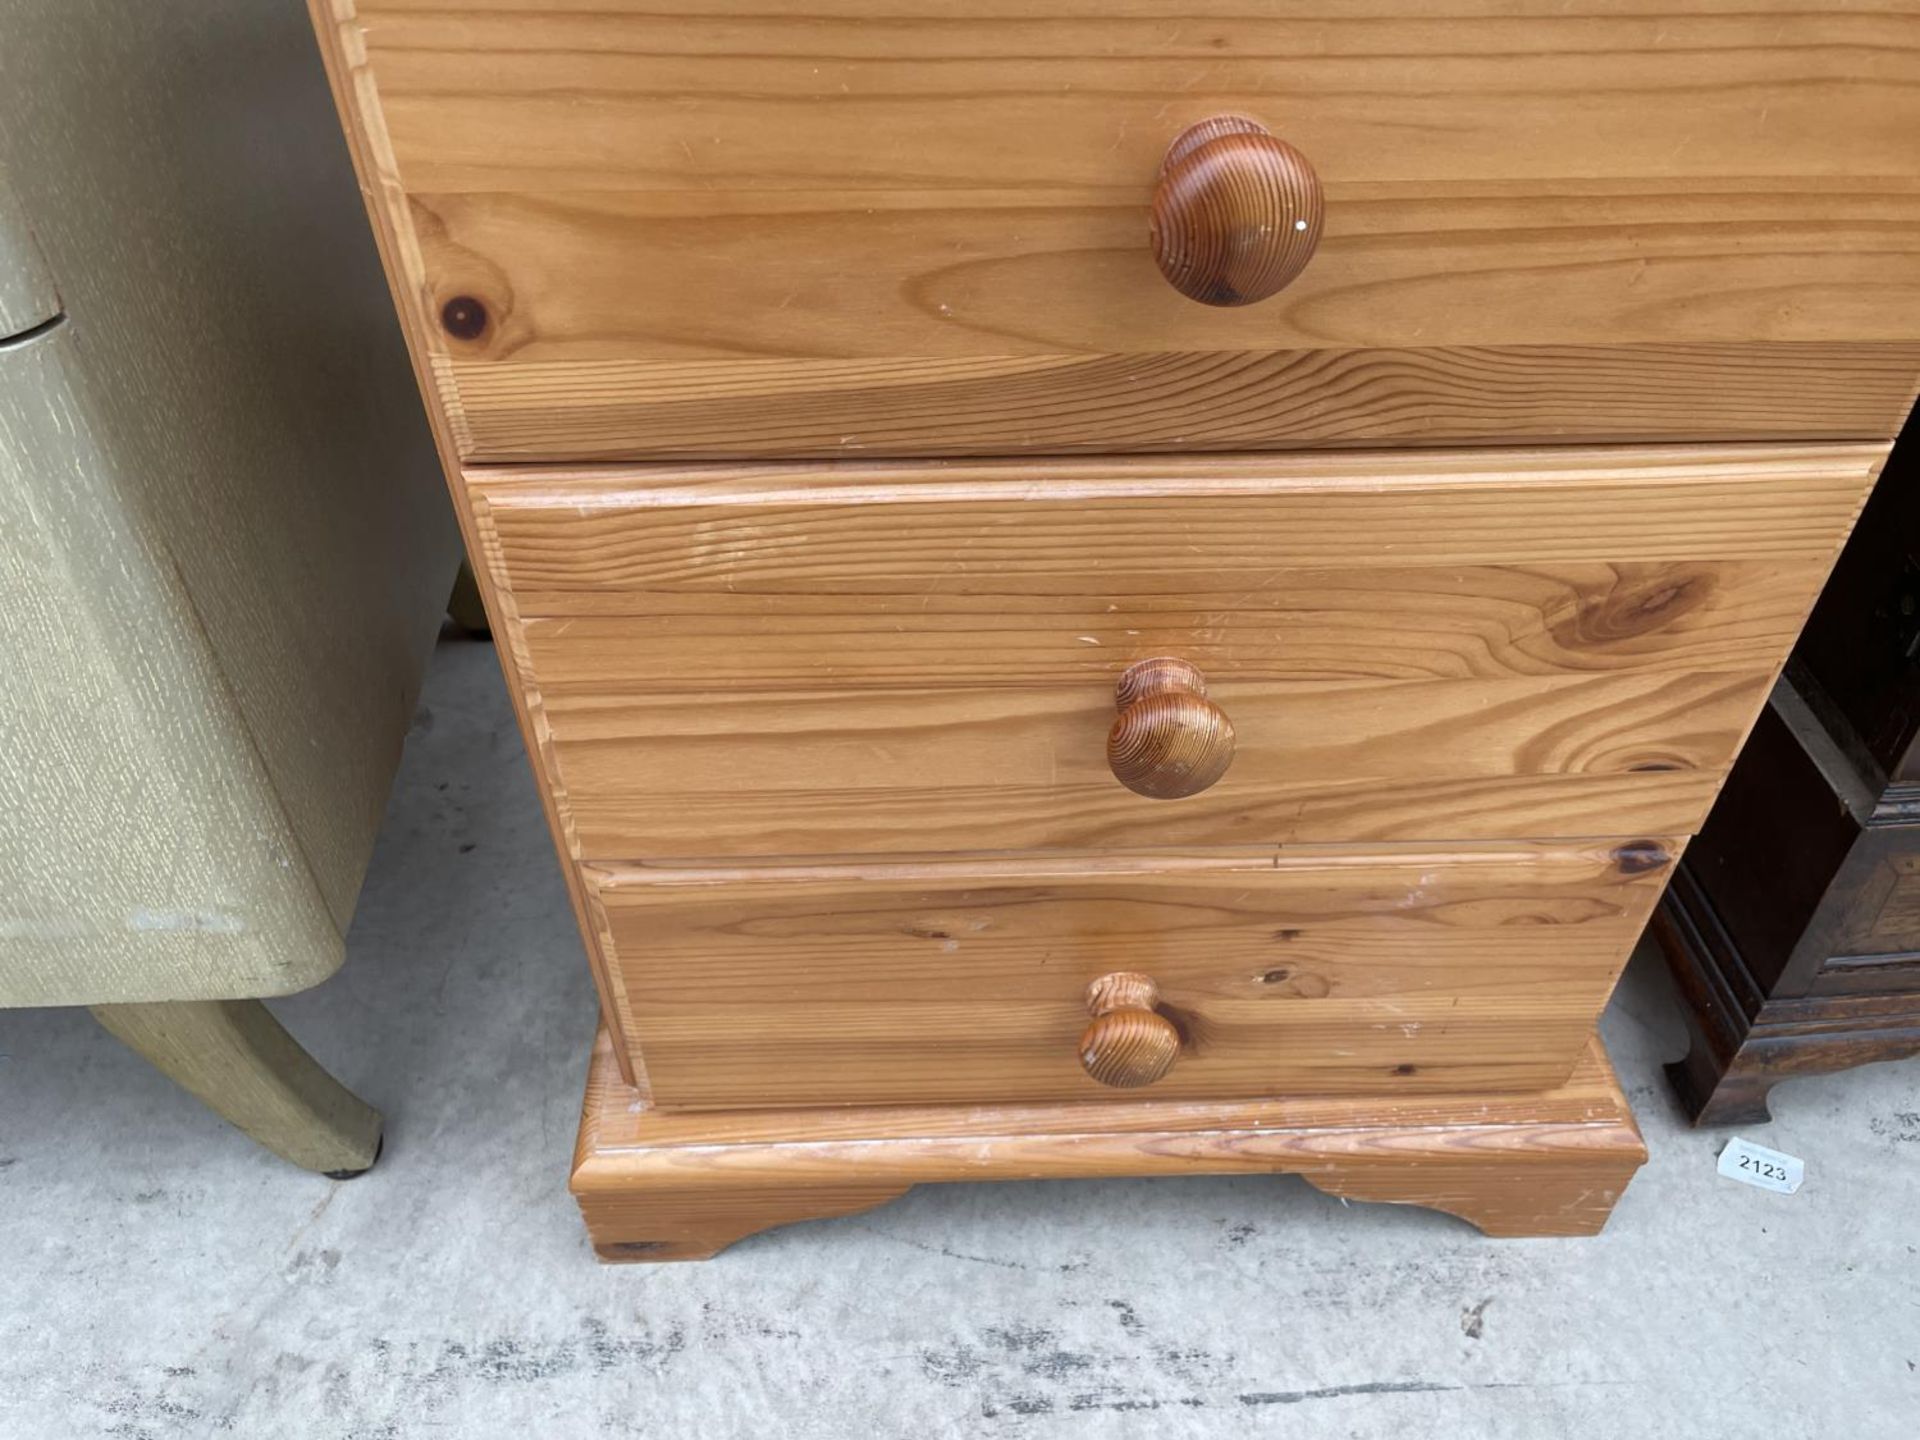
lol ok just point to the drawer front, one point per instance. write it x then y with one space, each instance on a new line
861 659
751 227
965 981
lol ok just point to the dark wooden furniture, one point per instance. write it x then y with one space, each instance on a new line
1793 926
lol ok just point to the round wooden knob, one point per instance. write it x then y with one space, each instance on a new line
1129 1043
1168 740
1237 213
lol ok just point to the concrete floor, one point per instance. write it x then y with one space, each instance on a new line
161 1277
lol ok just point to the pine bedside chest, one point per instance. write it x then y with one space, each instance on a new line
1119 587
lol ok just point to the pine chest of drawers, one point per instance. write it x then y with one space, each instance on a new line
1102 588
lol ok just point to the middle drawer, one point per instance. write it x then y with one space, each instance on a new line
865 659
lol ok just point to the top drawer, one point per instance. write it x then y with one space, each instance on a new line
757 227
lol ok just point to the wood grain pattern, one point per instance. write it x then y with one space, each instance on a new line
588 276
1236 214
1168 740
371 150
864 658
1128 1043
486 97
694 409
657 226
657 1186
965 981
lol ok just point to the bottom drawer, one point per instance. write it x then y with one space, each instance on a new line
1309 971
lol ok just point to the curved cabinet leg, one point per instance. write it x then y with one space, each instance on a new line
1741 1045
1815 1037
237 1060
1712 1092
1504 1201
655 1223
1712 1082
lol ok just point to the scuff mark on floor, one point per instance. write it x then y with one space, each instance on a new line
1335 1392
1902 1127
1026 1370
1473 1319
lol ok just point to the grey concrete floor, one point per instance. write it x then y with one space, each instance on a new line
161 1277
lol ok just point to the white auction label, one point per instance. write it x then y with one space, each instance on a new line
1753 1164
